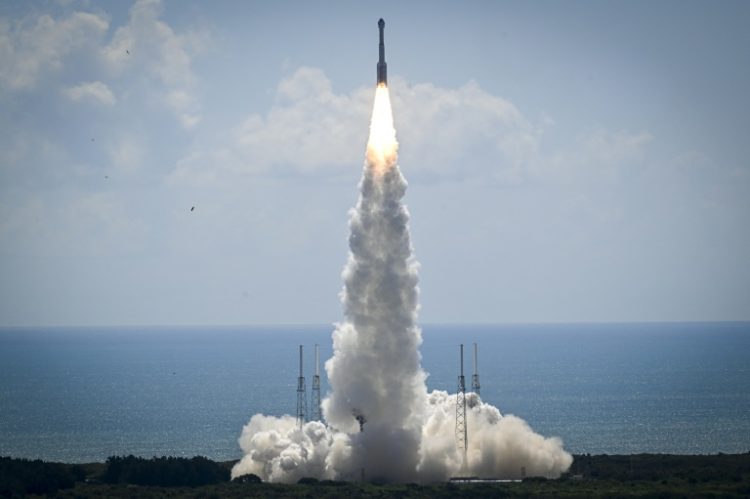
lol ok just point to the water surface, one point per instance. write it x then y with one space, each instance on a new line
82 394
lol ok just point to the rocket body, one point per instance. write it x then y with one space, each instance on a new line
382 68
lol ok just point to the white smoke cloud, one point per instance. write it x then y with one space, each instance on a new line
375 372
498 445
279 451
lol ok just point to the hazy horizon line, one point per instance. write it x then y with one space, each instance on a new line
332 324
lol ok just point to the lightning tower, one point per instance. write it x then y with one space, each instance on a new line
315 413
461 440
301 394
475 376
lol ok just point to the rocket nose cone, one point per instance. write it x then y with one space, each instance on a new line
381 23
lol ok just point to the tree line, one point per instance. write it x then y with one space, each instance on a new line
164 471
19 477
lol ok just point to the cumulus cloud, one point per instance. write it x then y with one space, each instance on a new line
441 127
310 129
94 91
31 47
598 156
146 42
146 50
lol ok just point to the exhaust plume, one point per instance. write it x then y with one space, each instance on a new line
382 423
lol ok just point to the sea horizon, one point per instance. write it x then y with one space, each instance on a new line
419 324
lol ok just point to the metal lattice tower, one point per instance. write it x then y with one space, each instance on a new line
461 439
475 376
315 412
301 394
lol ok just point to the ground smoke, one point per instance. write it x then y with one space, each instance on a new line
375 372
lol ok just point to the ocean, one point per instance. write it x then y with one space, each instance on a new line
83 394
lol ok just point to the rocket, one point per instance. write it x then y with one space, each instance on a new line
382 68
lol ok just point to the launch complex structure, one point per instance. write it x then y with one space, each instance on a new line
379 413
316 414
462 440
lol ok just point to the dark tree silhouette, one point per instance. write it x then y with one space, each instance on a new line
164 471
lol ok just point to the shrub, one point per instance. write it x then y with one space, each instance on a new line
249 478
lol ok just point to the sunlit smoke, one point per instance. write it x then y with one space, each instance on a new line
376 379
375 372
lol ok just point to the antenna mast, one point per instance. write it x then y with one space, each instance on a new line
301 394
475 376
461 440
316 414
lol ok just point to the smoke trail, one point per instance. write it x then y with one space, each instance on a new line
375 371
375 375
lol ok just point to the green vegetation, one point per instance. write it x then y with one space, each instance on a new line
728 468
164 471
642 475
19 477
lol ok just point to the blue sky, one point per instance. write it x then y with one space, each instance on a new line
567 161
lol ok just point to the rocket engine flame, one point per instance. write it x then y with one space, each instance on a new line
382 146
382 422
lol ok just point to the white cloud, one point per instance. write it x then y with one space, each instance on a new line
310 129
126 155
31 47
145 50
95 91
463 132
598 156
610 147
74 224
148 44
